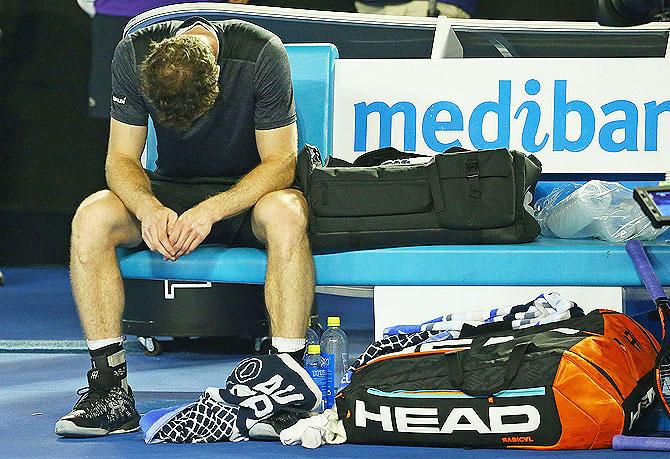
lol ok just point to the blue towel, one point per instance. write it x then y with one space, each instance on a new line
152 421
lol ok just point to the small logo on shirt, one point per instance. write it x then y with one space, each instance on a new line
119 100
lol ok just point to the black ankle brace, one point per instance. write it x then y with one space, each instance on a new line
108 366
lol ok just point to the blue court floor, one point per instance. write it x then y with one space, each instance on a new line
43 363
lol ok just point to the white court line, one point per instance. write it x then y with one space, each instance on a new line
65 346
37 345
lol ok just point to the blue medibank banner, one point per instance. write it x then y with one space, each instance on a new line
576 115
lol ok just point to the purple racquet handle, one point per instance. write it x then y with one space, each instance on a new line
641 443
644 269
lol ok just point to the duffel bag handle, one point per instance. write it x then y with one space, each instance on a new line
456 375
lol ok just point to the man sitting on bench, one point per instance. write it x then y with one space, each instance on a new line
221 99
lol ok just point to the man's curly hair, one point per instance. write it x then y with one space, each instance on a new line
179 77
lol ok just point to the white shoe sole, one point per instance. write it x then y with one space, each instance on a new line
66 428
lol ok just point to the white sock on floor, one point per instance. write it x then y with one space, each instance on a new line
288 344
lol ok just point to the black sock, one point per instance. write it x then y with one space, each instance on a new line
108 367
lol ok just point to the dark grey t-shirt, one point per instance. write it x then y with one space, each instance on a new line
255 93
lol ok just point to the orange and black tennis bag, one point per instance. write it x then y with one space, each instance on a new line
573 384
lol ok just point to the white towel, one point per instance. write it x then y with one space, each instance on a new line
316 430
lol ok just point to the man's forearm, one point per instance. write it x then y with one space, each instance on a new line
265 178
130 183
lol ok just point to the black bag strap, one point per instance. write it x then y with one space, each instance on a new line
331 161
472 174
377 157
456 375
433 173
455 150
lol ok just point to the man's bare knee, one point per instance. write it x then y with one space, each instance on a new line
281 216
101 221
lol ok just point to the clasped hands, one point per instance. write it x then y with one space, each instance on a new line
175 235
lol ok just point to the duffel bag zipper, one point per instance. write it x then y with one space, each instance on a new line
601 371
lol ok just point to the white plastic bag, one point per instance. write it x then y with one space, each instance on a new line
597 209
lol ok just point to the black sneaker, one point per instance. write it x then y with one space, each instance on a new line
100 411
271 427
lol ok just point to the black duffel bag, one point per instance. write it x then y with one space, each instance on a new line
457 197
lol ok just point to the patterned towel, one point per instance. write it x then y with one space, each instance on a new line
258 388
546 308
207 420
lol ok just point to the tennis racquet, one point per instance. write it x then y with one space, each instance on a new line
662 383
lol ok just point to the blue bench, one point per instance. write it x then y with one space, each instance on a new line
545 261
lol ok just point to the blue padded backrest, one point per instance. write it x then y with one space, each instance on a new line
313 74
